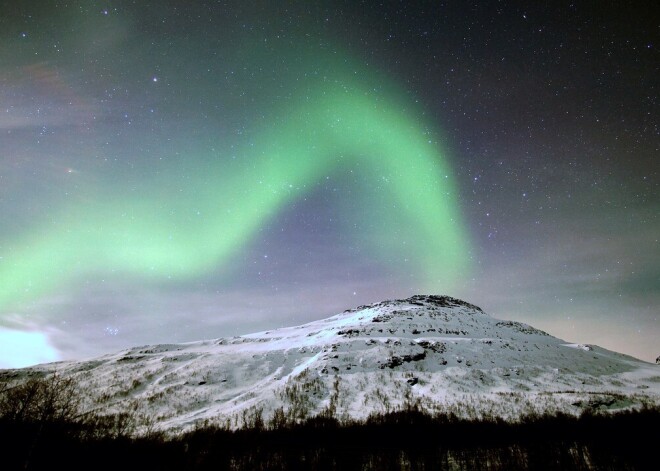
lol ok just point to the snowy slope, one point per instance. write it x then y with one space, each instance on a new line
436 352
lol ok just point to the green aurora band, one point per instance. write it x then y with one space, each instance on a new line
158 233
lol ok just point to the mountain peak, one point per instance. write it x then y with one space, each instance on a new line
420 300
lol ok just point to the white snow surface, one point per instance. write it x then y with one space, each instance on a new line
437 353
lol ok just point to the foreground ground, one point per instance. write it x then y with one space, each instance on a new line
402 440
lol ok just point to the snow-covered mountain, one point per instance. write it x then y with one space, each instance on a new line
434 352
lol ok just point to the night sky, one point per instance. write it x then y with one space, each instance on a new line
175 171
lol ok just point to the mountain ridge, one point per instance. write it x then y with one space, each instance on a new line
437 353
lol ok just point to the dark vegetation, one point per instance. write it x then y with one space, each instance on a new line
42 426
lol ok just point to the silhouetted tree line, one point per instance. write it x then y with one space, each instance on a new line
42 426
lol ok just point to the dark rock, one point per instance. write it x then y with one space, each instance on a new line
349 332
395 360
415 357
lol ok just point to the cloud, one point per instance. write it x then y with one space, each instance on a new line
20 348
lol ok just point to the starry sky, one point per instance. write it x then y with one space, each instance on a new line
175 171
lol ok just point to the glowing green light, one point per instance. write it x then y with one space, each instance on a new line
161 235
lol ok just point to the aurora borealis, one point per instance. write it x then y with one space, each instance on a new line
171 172
151 235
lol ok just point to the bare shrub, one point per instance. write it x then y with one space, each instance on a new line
48 399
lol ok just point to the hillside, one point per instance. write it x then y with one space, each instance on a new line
437 353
